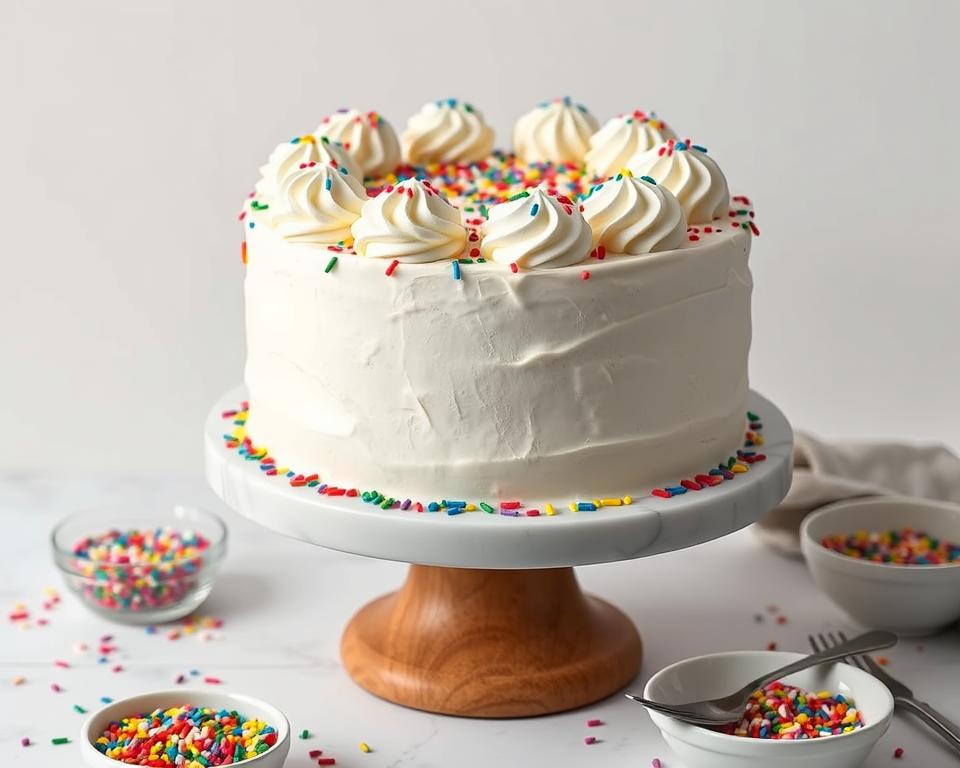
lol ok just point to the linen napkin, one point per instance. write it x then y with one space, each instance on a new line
828 472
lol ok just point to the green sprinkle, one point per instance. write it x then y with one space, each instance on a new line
752 416
486 507
330 264
731 461
78 708
60 740
518 196
304 734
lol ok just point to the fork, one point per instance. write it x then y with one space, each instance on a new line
729 709
902 695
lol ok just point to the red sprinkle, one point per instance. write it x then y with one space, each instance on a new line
514 267
585 275
509 505
898 752
594 723
661 493
315 753
212 680
590 740
393 266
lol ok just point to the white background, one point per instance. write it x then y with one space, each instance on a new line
130 132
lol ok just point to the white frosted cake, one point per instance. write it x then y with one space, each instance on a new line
436 320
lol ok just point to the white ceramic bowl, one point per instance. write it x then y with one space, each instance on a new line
147 702
910 600
717 674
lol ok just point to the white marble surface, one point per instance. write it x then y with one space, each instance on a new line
284 603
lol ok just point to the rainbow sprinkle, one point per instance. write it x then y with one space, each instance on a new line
785 712
238 440
903 547
186 735
138 570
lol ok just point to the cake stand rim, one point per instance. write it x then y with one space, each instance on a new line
646 527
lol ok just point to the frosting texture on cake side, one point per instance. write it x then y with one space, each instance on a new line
534 384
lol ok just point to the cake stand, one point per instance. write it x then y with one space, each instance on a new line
491 621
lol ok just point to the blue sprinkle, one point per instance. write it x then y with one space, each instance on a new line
456 270
648 179
675 490
433 506
295 140
680 146
698 148
451 102
586 506
455 510
327 184
252 224
454 503
344 171
106 699
534 208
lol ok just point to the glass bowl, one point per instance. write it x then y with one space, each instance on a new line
136 589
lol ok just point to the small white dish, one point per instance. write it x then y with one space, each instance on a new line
910 600
717 674
147 702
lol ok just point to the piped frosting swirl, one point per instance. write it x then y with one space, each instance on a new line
630 215
368 138
536 229
446 131
692 175
411 222
556 131
318 204
622 137
298 153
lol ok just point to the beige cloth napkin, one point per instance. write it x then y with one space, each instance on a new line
827 472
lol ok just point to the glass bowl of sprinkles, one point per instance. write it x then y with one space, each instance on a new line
140 567
890 562
829 716
186 728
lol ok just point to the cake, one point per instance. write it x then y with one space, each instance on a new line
428 318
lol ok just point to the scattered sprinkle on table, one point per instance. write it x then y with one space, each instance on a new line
655 763
594 723
60 740
19 680
896 547
138 570
364 747
781 711
898 753
304 734
201 735
589 740
25 742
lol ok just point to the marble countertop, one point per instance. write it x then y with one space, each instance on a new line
284 603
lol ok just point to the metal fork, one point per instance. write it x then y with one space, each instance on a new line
902 695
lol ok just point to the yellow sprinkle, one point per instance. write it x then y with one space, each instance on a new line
597 503
548 508
758 440
573 506
739 468
308 138
610 502
626 172
471 507
823 694
628 500
282 470
364 747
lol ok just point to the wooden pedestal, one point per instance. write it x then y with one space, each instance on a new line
491 643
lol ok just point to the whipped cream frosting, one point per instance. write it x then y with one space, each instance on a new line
446 131
410 222
691 174
368 138
556 131
318 204
634 216
297 153
536 229
621 138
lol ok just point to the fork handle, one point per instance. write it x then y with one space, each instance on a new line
942 725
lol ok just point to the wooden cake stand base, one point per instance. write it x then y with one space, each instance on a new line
491 643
